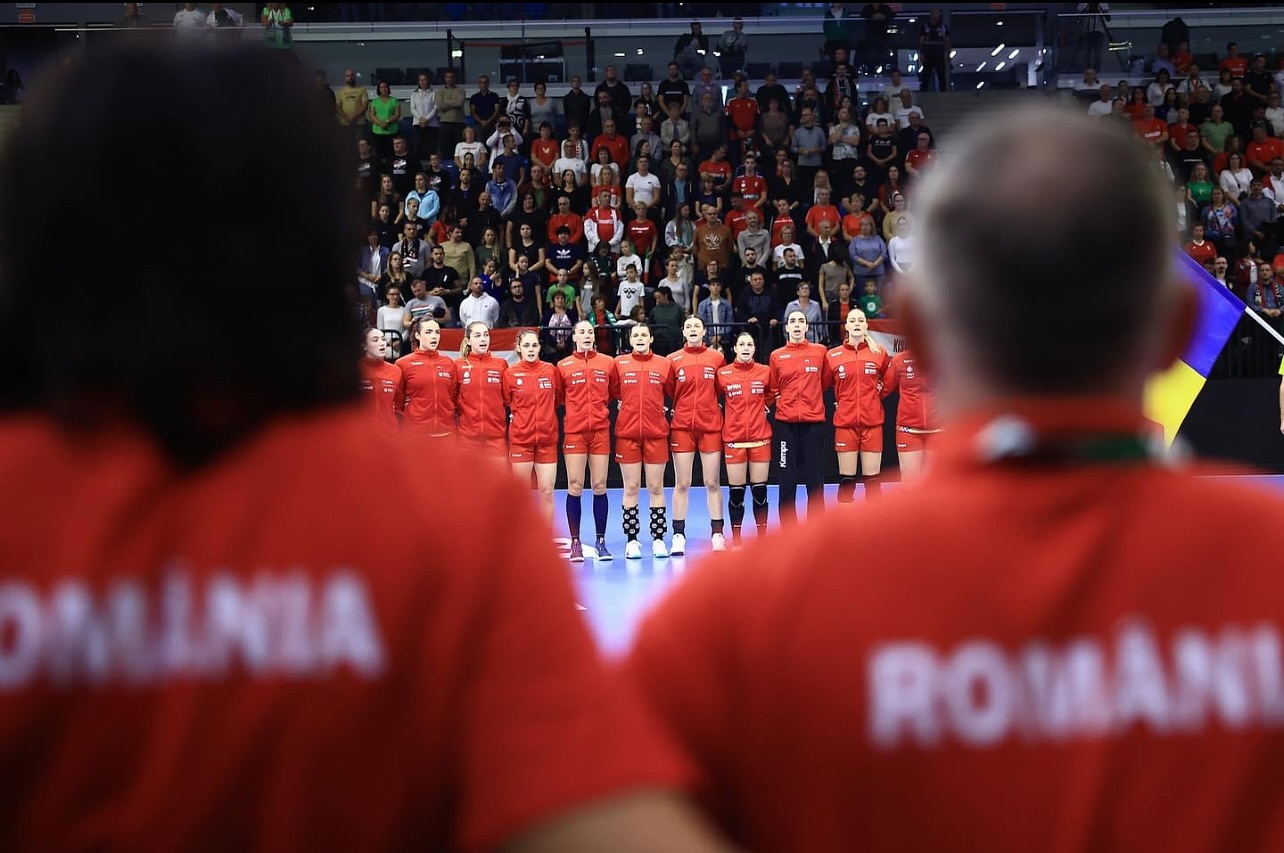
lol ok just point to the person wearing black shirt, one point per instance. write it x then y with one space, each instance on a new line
907 139
760 310
484 106
934 52
485 216
402 166
691 51
621 97
674 90
741 277
1257 82
368 169
441 280
519 309
878 17
438 178
576 105
788 277
772 90
463 198
1237 106
565 255
881 151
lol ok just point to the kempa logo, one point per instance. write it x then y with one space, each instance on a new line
784 454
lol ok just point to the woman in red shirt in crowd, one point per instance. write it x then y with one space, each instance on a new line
858 371
429 385
642 436
381 380
916 417
533 391
697 426
482 419
746 390
799 379
588 384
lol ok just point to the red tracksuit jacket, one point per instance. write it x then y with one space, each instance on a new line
533 392
695 389
858 376
798 375
645 380
428 389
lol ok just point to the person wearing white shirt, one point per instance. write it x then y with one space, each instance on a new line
568 160
470 145
1275 114
495 141
1235 179
900 249
678 285
643 186
478 305
632 291
892 91
1104 105
778 253
189 20
426 120
905 107
875 113
628 258
392 317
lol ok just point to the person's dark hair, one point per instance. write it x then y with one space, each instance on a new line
200 394
665 290
983 225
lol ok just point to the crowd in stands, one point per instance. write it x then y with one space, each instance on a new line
633 203
1218 135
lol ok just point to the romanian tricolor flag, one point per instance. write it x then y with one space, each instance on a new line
1170 394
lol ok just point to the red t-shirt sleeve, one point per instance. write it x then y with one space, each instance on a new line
545 726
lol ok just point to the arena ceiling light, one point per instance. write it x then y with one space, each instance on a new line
1000 66
1014 54
998 50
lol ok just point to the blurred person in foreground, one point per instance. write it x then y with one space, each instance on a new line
1055 641
226 645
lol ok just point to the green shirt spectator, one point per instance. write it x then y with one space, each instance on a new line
385 112
277 21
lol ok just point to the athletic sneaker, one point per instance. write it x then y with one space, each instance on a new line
590 553
576 554
633 550
718 542
657 548
602 553
679 544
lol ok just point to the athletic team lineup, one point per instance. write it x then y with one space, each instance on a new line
689 403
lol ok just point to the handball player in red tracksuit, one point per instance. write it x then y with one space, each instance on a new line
589 384
533 391
697 426
482 419
642 436
917 423
381 380
746 390
798 376
429 385
858 370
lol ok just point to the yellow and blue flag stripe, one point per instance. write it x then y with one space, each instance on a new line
1170 394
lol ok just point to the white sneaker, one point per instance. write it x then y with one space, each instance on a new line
590 553
718 542
658 550
633 550
679 544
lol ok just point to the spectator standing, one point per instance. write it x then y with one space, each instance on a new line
906 108
771 90
811 310
690 52
576 105
704 82
450 105
478 306
483 106
674 90
277 21
666 320
353 103
189 21
426 119
621 97
708 128
1215 130
869 256
839 29
878 46
901 250
543 108
519 310
809 145
1233 63
1258 215
732 48
1262 149
384 114
517 108
934 52
1104 105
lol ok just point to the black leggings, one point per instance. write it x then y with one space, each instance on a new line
800 454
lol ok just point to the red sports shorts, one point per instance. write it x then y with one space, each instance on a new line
539 454
746 451
595 443
493 447
912 442
649 451
863 439
687 441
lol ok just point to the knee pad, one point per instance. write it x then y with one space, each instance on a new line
658 524
737 496
632 524
760 494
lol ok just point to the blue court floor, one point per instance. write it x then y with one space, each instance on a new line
618 593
